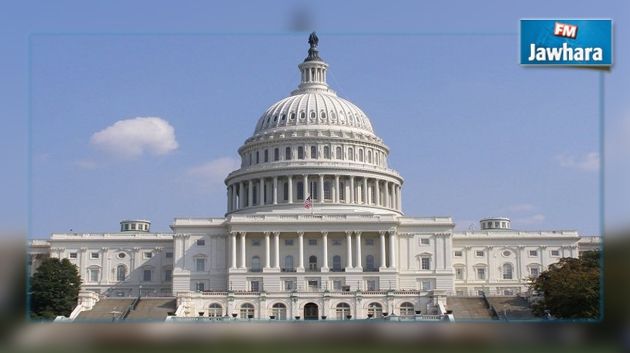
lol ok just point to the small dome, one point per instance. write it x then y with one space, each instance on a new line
495 223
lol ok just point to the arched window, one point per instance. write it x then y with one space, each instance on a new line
327 152
407 310
508 271
369 156
327 190
276 154
375 310
247 311
343 311
369 262
338 152
288 264
285 191
279 311
336 263
350 153
300 152
256 264
312 263
287 153
300 190
121 273
215 310
360 155
342 190
313 152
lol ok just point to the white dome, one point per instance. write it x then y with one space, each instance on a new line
317 108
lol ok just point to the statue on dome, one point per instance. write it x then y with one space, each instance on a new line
313 40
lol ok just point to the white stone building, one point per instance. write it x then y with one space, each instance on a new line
353 253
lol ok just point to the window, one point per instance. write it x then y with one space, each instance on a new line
459 273
200 264
126 226
289 285
247 311
425 241
555 252
266 156
326 152
479 253
300 152
336 263
407 310
312 242
375 310
338 284
121 273
254 285
338 153
200 286
341 191
327 190
121 255
369 242
276 154
168 275
287 154
215 310
371 284
201 242
458 253
369 156
148 254
285 191
369 263
279 311
351 154
73 255
313 152
312 263
342 311
481 273
146 275
361 155
288 242
534 271
169 254
426 285
313 285
300 190
256 267
288 264
507 253
425 263
94 255
533 253
257 157
255 242
133 226
507 271
93 274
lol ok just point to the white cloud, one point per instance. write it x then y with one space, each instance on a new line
212 174
131 138
589 162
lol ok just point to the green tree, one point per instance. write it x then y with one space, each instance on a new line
570 288
54 289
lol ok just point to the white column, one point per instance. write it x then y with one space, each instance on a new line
306 189
365 191
276 243
349 250
377 192
301 254
250 194
392 250
337 191
261 192
351 189
275 190
383 253
325 254
321 188
399 197
243 258
267 251
233 236
358 238
290 189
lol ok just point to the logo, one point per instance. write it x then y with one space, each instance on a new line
566 42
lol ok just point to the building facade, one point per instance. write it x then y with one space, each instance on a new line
314 229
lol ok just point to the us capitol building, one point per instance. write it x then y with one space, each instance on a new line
314 229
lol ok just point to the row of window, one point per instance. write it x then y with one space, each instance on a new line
507 272
288 153
313 242
279 311
313 265
284 119
95 255
506 253
94 274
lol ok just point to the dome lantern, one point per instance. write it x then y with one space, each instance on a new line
313 69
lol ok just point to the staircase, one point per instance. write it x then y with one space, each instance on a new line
106 309
129 309
512 308
469 308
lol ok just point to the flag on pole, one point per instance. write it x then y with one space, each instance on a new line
308 202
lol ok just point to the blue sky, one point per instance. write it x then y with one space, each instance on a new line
472 132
